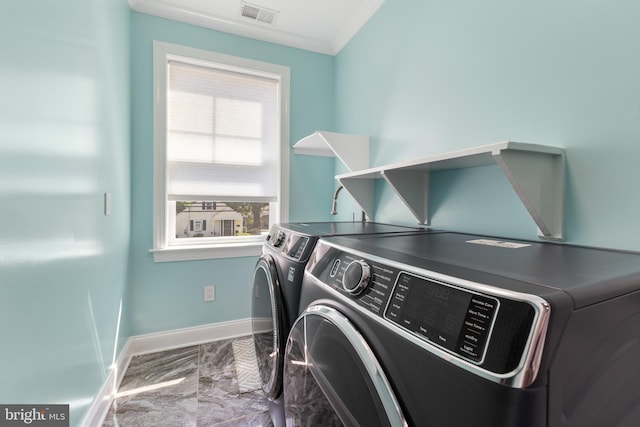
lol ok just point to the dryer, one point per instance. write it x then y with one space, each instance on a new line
277 279
449 329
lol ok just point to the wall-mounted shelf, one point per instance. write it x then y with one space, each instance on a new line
536 173
352 150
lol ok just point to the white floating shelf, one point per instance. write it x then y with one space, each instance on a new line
352 150
536 173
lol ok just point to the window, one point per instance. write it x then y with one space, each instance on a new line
221 144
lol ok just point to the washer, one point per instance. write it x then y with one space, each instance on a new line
449 329
277 280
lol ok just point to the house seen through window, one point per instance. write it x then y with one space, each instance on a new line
216 219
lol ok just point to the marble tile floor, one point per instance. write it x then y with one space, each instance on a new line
197 386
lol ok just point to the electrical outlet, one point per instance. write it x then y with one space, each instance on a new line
209 293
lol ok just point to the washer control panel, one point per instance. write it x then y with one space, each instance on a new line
455 319
293 245
369 284
474 325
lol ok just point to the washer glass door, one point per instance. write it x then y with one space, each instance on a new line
331 376
267 313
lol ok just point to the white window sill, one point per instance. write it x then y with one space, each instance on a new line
192 253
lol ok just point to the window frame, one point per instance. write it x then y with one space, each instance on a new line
164 249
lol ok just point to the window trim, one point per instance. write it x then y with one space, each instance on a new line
162 251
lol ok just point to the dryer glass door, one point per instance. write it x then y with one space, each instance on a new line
267 326
331 377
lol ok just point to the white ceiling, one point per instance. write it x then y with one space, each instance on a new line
323 26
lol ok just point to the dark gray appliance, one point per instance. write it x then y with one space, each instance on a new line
276 291
463 330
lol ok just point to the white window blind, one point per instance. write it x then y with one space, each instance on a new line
222 134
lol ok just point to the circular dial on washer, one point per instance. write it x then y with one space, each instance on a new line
356 277
279 238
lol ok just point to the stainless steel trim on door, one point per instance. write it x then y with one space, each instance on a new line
270 387
368 359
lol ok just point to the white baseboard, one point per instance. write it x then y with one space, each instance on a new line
154 342
98 410
160 341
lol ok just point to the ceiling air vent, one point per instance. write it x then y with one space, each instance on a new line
258 13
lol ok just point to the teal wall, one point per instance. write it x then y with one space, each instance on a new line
427 77
170 295
64 142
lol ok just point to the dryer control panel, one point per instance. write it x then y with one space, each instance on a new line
464 319
293 245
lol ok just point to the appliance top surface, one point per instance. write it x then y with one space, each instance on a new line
321 229
588 275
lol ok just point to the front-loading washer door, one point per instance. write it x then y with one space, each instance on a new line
331 376
268 325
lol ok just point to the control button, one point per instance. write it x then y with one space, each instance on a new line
356 277
393 315
335 268
475 330
279 238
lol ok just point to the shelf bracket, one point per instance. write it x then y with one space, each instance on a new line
351 150
362 191
412 187
538 179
